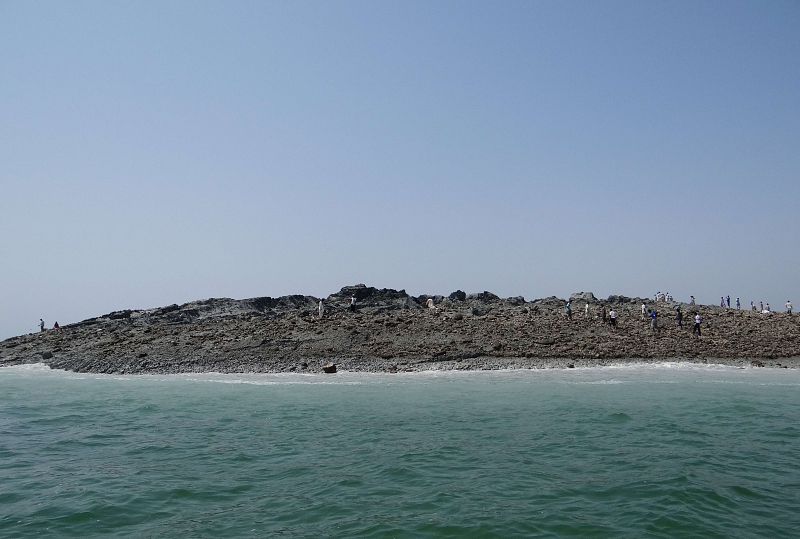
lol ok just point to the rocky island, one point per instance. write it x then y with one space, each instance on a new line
390 331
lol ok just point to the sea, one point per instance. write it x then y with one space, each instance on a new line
666 450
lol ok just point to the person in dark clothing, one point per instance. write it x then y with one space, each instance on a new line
728 301
679 317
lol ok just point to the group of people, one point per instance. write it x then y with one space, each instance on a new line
662 297
42 328
725 302
611 316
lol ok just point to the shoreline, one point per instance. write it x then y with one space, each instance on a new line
389 331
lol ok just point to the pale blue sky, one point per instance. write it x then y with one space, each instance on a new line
160 152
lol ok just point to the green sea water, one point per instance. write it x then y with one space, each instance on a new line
643 451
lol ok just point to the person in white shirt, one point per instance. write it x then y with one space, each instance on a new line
429 303
612 316
788 307
586 311
644 311
352 303
321 308
697 321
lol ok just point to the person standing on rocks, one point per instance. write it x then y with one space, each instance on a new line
768 309
429 303
679 317
321 309
41 325
722 302
697 321
352 303
569 310
788 307
752 305
612 316
654 320
586 311
728 300
691 300
56 326
738 305
644 311
761 304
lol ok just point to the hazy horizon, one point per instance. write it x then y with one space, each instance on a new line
163 153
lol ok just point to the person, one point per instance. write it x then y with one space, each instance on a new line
728 300
761 304
697 321
603 313
586 311
721 302
429 303
644 311
752 305
679 317
321 308
788 307
768 309
41 325
612 316
569 310
691 300
654 320
738 305
352 303
56 326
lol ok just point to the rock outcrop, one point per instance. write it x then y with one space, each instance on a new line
390 331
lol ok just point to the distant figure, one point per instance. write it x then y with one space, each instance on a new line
56 326
722 302
697 321
691 300
654 320
603 313
728 300
761 304
679 317
613 318
586 311
788 307
738 305
321 308
41 325
429 303
752 305
352 303
644 311
767 309
568 308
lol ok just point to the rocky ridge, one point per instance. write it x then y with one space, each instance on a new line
391 331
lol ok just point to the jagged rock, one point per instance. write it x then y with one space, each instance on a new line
46 355
458 295
588 297
516 300
329 368
483 296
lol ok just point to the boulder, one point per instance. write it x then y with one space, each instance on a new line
588 297
458 295
329 368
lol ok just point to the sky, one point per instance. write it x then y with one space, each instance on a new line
161 152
